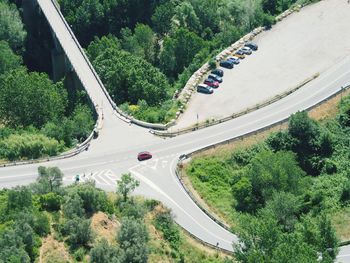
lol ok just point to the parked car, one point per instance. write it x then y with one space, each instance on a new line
144 156
235 60
251 45
226 64
211 83
246 50
239 53
203 88
218 72
215 77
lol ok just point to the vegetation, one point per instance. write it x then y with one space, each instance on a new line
37 116
146 51
280 195
45 210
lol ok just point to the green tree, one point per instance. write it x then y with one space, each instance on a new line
132 238
126 185
73 207
12 247
50 178
30 99
267 173
285 208
8 59
161 18
79 232
186 17
11 26
50 201
179 50
19 198
83 122
103 252
130 79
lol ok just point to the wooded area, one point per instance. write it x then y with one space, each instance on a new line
146 50
279 196
37 116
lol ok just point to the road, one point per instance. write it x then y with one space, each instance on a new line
114 151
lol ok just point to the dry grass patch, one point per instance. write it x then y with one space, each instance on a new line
104 227
341 223
53 251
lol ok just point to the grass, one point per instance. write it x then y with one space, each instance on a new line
341 223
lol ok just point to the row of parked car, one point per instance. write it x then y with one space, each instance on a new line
215 78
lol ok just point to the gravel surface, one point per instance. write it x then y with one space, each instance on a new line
306 42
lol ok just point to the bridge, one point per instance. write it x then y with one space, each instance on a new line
114 151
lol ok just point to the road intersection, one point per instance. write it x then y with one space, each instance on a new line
114 151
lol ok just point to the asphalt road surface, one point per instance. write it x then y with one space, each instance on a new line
114 151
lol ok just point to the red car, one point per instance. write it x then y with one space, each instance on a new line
144 156
211 83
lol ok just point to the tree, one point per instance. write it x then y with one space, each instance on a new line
28 238
126 185
161 18
30 99
268 172
186 17
93 199
285 208
50 201
8 59
103 252
311 144
50 178
79 231
73 206
18 199
83 122
11 26
130 79
179 50
12 247
133 238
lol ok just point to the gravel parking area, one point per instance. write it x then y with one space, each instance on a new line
307 42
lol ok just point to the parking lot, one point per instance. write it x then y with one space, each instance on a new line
305 43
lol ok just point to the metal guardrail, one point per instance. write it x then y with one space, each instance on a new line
183 157
235 115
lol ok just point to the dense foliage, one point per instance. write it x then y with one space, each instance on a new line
279 195
158 44
37 117
45 210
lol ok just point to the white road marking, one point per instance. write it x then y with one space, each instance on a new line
152 185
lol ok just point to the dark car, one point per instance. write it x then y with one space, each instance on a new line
226 64
218 72
211 83
203 88
235 60
252 46
144 156
239 53
215 77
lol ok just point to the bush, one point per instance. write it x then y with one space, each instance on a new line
28 145
50 202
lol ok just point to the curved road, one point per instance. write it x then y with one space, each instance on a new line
115 150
